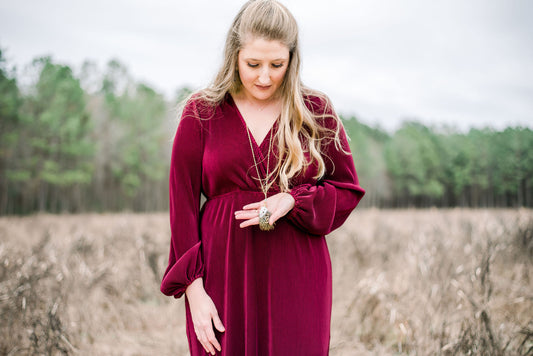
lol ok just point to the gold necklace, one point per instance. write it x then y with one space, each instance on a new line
264 214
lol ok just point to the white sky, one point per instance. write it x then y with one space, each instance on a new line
448 62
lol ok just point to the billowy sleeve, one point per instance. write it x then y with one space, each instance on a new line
322 207
185 263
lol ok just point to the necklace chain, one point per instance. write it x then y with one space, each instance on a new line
264 185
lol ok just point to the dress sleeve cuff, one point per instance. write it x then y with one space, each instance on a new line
183 272
296 193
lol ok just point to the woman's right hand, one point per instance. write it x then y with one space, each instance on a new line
204 316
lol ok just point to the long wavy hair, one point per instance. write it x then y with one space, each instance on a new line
299 129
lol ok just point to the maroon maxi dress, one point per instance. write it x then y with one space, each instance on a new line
272 289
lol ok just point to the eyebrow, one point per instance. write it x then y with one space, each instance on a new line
259 60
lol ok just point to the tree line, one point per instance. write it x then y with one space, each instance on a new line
98 140
420 166
95 141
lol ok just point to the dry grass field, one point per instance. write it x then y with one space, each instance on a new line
413 282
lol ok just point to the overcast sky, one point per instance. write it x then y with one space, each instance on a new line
461 63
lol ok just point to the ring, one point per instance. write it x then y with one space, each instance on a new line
264 216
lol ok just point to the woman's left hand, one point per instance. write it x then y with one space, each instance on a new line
278 205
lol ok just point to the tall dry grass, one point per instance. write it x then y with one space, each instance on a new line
418 282
433 282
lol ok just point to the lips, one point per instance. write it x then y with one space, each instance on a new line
263 87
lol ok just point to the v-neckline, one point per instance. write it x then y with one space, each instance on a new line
245 126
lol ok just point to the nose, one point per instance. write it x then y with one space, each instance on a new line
264 76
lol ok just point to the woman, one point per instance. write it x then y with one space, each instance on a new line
273 161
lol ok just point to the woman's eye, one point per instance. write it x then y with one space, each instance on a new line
277 65
253 65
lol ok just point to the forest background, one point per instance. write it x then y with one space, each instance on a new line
98 140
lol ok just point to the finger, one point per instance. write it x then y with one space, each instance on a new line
247 209
202 339
206 342
245 215
253 205
218 323
202 334
274 217
205 347
212 339
250 222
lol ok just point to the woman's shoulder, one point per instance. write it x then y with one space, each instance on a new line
198 106
321 107
317 102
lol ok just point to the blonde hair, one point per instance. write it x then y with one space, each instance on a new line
299 130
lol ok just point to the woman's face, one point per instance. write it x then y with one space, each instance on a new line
262 67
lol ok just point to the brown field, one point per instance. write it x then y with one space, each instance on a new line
418 282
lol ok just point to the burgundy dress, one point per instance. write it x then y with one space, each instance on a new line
272 289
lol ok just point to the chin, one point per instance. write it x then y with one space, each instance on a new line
263 95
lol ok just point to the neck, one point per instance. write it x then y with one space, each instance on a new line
256 103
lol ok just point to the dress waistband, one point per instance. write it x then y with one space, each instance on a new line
233 192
